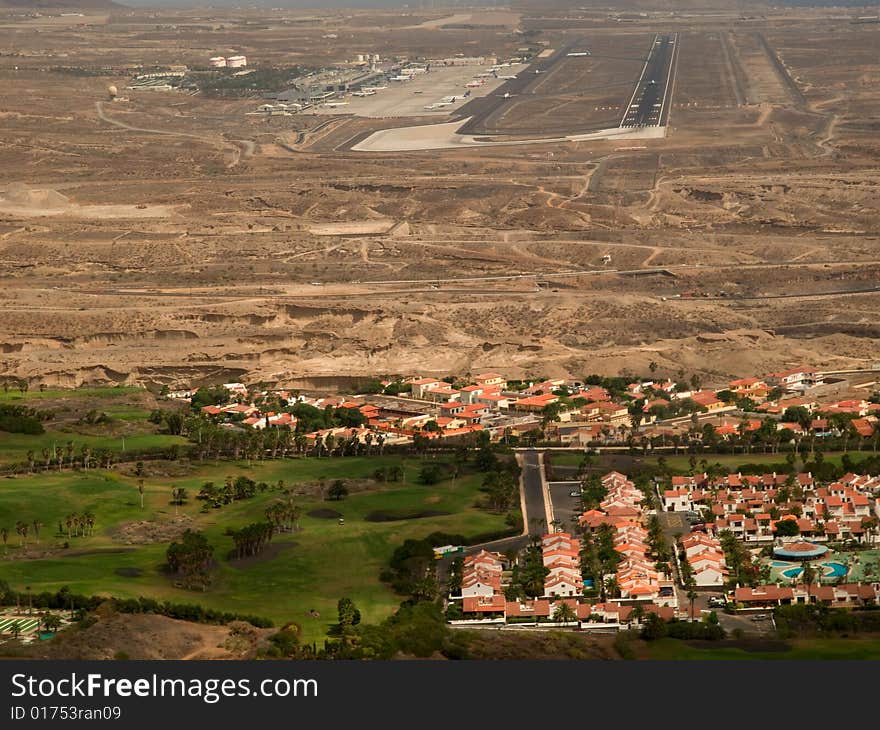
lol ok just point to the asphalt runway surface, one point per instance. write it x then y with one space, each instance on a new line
649 105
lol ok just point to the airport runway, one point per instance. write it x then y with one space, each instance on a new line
481 109
649 104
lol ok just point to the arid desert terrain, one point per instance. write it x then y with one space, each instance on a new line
170 237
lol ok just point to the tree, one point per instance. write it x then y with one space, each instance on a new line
654 627
4 535
140 486
691 595
808 575
191 558
787 528
563 613
22 529
430 473
178 497
349 615
338 490
50 621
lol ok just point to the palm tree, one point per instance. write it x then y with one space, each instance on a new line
300 442
563 613
612 589
809 575
691 595
50 621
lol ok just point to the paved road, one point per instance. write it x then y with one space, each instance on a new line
533 492
566 508
673 524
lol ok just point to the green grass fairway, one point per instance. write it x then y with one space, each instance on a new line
13 395
805 649
307 570
14 446
128 429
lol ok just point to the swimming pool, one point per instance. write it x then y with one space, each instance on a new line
830 569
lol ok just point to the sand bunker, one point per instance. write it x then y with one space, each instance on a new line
26 202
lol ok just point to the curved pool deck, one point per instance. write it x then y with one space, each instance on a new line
830 569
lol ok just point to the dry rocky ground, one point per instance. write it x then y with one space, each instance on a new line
178 256
147 636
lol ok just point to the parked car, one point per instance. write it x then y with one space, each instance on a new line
760 617
717 602
575 494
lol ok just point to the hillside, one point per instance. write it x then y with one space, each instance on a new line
60 4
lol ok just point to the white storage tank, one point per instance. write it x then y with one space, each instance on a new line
236 62
217 62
